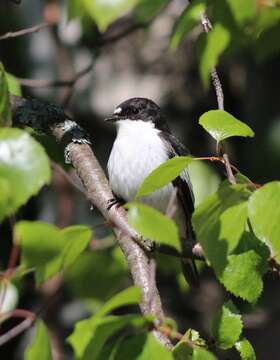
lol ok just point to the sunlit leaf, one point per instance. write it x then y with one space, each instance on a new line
104 12
40 346
243 11
147 9
153 225
129 296
5 111
163 175
90 335
142 347
205 180
245 350
24 164
211 46
219 222
202 354
243 275
49 249
186 22
227 326
13 84
264 215
222 125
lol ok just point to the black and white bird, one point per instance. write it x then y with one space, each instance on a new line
144 142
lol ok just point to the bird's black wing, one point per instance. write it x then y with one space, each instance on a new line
186 198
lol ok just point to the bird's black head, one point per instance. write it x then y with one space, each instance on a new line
138 109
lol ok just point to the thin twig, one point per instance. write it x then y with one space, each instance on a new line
56 83
15 331
207 26
23 32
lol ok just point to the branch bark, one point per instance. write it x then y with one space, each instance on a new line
49 118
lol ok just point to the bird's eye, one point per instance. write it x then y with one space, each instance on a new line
134 110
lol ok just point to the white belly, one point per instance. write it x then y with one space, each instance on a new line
136 152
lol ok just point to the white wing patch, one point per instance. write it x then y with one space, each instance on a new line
118 110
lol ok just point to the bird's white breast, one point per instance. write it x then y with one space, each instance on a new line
136 152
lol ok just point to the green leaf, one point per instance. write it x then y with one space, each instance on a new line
90 335
153 225
202 354
6 197
110 271
243 11
243 276
220 221
163 175
129 296
145 10
182 350
222 125
227 326
104 12
49 249
5 110
264 215
142 347
204 179
245 350
24 164
13 85
210 47
40 347
74 9
187 21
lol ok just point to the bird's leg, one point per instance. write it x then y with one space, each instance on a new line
115 201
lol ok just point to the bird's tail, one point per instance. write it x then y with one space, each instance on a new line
190 272
189 268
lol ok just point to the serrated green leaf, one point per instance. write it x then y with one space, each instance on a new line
243 276
104 12
13 85
183 350
210 48
187 21
153 225
129 296
145 10
221 125
142 347
5 110
248 242
163 175
24 164
49 249
202 354
90 335
227 326
40 346
220 221
245 350
264 215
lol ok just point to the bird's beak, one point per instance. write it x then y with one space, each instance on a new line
112 118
